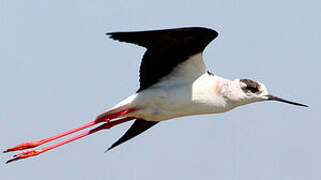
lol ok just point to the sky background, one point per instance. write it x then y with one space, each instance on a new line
58 70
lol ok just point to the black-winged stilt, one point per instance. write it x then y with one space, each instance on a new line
174 82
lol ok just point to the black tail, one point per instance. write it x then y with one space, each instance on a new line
139 126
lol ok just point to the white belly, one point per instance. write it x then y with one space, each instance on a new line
166 102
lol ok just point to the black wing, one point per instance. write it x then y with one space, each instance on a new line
137 127
165 49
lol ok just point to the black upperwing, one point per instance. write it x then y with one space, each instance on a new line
165 49
139 126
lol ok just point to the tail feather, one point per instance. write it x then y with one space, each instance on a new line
114 114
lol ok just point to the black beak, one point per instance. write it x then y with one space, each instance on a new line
274 98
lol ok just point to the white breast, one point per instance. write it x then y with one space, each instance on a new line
166 102
187 90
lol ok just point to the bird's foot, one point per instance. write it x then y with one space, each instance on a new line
25 154
23 146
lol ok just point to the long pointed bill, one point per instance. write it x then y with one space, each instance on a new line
274 98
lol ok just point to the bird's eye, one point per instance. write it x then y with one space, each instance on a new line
251 86
252 89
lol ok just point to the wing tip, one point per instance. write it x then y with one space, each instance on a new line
117 35
111 147
138 127
110 35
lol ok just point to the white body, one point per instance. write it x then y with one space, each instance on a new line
166 102
188 90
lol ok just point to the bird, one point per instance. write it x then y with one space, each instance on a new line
174 82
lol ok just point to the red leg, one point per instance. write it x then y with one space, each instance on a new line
100 119
36 152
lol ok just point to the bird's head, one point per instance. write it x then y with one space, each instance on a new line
249 91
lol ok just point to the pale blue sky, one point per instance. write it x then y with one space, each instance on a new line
59 70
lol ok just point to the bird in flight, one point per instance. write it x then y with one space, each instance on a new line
174 82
